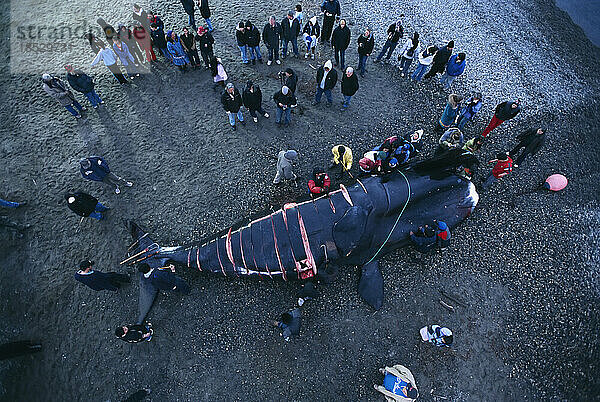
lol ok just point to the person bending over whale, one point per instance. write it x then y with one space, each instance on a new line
319 184
164 278
423 239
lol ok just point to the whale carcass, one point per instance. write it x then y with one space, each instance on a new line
356 225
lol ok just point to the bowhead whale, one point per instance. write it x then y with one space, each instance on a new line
355 225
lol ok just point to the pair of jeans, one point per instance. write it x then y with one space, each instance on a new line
286 114
193 56
347 99
93 98
254 53
447 80
491 179
285 46
207 56
131 70
232 115
273 52
516 150
389 46
243 51
328 22
404 64
462 120
320 92
165 53
209 24
260 110
362 63
113 179
419 72
116 72
340 58
8 204
97 214
72 110
435 68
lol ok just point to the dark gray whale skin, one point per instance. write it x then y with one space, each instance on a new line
353 226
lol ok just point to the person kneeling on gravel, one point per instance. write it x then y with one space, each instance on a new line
398 384
424 239
437 335
285 159
289 324
164 278
135 333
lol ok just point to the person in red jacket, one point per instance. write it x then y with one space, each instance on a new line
319 184
504 165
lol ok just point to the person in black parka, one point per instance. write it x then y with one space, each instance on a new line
85 205
440 60
232 103
271 35
290 29
349 87
532 141
164 278
326 80
331 9
340 40
81 82
205 12
188 6
97 280
252 98
205 42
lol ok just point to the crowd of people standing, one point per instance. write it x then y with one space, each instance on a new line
133 48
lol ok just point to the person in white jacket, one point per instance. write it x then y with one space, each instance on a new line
425 60
410 51
108 57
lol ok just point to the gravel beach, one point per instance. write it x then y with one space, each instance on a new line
525 264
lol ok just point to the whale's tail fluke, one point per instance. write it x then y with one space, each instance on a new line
147 251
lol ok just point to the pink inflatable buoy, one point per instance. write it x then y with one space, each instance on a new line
556 182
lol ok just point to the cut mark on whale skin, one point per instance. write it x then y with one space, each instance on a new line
198 259
346 195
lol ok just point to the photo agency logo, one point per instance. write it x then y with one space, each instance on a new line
37 48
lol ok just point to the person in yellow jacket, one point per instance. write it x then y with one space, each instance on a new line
342 158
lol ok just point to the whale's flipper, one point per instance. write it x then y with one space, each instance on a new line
370 287
147 295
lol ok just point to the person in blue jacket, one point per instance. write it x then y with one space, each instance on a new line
470 109
125 56
424 239
97 280
455 67
164 278
81 82
442 234
95 168
178 56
